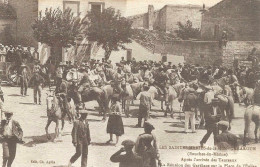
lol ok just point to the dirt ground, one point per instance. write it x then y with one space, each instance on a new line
39 152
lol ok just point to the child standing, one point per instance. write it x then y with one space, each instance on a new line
115 123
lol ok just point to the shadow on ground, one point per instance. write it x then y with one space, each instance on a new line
31 141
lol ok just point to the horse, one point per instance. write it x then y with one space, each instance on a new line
91 94
173 93
245 95
55 114
252 114
129 93
226 105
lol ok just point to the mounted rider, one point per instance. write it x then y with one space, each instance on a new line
119 77
63 94
160 82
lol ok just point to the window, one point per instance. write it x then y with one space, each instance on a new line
96 6
73 5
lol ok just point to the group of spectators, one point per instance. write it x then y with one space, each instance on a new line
10 53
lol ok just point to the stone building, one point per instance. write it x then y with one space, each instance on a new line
240 18
166 18
16 18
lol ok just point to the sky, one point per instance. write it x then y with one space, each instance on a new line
141 6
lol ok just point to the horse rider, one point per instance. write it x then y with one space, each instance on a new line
119 77
24 78
84 84
59 75
63 94
160 83
146 73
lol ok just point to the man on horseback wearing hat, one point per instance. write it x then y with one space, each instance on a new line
161 82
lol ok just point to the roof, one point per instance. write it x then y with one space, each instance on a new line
7 12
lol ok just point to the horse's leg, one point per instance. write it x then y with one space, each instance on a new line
127 108
256 129
246 130
46 129
62 126
57 132
162 105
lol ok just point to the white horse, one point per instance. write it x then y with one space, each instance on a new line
55 113
252 114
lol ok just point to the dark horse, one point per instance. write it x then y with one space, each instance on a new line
91 94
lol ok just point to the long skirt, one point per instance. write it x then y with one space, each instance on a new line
115 125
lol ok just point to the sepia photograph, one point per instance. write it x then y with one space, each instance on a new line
130 83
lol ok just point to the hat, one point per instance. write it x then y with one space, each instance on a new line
8 112
23 65
128 143
147 138
148 125
223 123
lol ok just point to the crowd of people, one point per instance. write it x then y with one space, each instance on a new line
95 73
10 53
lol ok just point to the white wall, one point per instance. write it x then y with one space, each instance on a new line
84 5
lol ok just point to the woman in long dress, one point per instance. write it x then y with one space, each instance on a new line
115 123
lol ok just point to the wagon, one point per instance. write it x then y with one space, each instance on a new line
9 72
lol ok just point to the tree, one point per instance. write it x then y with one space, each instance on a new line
186 31
109 30
57 29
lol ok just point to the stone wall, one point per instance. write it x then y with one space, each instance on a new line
239 50
240 18
182 14
194 52
166 18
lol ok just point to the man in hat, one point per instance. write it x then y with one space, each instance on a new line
140 147
129 159
35 54
11 133
24 78
226 140
37 81
160 83
212 117
59 73
145 103
81 139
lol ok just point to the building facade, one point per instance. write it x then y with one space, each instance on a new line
239 18
16 19
166 19
81 7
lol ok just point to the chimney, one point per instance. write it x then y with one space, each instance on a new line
150 17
